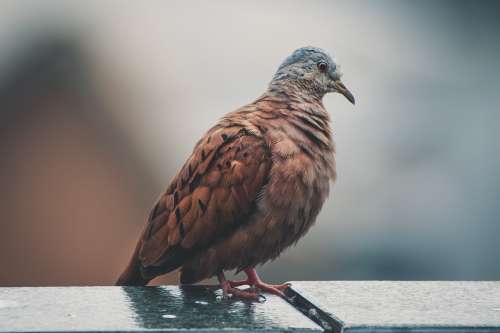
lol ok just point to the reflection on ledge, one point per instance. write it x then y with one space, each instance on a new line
202 307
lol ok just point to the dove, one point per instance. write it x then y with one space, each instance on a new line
252 187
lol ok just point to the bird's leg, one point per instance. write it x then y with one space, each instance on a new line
254 280
227 289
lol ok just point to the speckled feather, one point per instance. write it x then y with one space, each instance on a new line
252 187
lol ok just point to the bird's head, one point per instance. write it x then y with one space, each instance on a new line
312 70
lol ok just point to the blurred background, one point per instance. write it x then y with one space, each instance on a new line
101 103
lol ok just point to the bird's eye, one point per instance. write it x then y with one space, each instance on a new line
322 66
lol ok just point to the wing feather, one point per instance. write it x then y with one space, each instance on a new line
209 198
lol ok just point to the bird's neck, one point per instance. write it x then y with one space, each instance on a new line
294 123
285 83
297 99
286 107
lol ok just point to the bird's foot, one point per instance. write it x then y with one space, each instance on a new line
253 280
229 290
232 292
239 283
275 289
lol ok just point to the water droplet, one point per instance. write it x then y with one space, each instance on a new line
312 312
201 302
169 316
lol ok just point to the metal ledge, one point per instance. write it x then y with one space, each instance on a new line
335 306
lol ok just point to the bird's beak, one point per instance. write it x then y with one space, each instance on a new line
339 86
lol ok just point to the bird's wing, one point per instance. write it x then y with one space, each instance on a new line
212 194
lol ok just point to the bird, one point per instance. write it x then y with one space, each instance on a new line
252 187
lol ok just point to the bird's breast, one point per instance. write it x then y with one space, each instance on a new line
289 204
296 180
303 165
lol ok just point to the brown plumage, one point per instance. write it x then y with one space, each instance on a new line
253 185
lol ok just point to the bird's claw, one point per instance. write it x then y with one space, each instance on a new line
261 298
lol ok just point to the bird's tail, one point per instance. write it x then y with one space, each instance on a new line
132 275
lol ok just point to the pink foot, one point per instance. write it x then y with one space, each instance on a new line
228 289
276 289
239 283
253 280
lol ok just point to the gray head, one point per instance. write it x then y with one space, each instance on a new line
312 70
